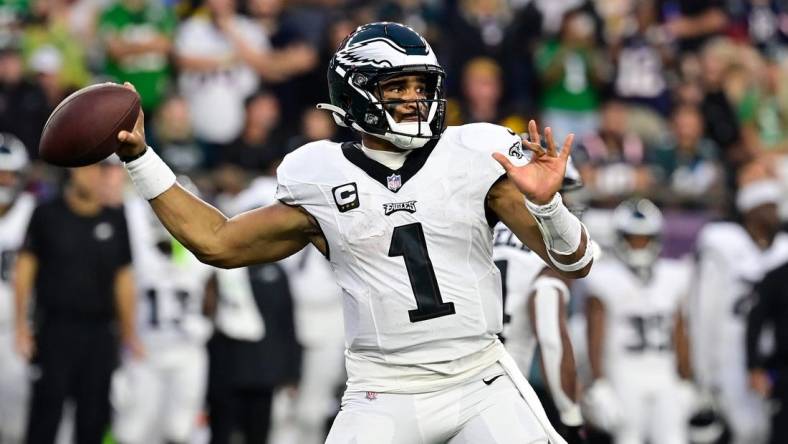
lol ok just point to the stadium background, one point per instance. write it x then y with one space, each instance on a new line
668 98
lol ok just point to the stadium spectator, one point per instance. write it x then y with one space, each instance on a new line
482 97
295 35
613 161
215 52
259 143
478 29
315 125
571 69
172 131
643 61
83 286
691 23
688 166
222 56
137 35
23 104
48 27
46 64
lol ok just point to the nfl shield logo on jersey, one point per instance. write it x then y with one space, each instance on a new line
394 182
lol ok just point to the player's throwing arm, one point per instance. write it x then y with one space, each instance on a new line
261 235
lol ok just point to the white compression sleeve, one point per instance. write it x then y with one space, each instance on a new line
548 292
150 175
561 231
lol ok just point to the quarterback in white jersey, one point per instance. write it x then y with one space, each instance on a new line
732 259
158 396
636 342
405 219
16 208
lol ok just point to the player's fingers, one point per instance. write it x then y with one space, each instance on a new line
125 137
129 85
504 161
566 149
548 134
139 125
533 132
534 147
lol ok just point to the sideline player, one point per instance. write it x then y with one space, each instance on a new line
405 218
158 396
302 414
636 342
16 207
733 258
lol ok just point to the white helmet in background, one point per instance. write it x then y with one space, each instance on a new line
638 218
13 158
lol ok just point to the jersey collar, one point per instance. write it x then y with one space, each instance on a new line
383 174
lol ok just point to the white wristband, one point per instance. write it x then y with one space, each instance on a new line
560 228
150 175
588 256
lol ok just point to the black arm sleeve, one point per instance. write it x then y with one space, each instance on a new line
758 316
32 243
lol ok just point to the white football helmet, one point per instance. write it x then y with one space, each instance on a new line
638 217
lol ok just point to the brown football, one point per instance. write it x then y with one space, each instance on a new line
84 127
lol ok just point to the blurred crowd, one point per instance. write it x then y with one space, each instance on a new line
669 99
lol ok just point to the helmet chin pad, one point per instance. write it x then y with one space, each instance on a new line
407 135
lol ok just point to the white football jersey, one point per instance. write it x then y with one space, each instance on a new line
170 288
411 250
519 268
640 317
13 226
730 264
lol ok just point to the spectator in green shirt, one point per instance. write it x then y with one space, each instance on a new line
764 113
571 70
48 29
138 38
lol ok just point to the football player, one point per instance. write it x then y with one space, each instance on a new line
318 320
637 348
16 207
536 302
732 259
405 219
158 396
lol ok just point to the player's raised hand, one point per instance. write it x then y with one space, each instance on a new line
132 143
542 177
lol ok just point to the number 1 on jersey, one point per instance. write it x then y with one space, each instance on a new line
408 241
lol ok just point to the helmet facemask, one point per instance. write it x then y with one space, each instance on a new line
378 116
